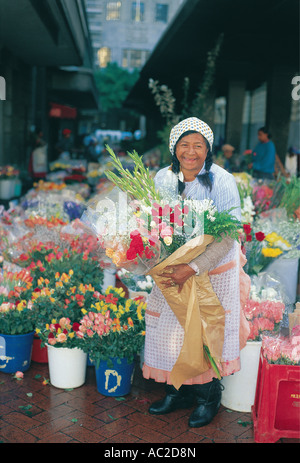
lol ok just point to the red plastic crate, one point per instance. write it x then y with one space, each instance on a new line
276 409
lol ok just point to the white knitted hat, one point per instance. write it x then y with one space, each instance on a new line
191 123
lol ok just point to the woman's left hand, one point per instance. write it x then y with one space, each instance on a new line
177 275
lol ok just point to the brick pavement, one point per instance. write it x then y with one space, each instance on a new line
31 412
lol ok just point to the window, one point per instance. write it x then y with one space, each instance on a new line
103 56
113 11
134 59
161 12
137 11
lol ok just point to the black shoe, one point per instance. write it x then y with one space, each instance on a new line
174 399
208 399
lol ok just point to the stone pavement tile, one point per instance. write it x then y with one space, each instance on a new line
148 435
82 434
176 428
151 421
47 429
21 421
188 437
116 427
12 434
58 438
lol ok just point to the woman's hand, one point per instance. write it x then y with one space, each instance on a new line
177 275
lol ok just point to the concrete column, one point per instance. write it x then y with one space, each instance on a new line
234 112
279 102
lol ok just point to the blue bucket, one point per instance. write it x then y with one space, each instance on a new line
15 352
114 381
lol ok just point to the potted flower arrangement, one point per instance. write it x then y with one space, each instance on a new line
17 322
114 328
67 361
57 298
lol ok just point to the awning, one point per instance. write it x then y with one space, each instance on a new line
62 111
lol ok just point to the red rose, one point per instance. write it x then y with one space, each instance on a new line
260 236
75 326
247 228
249 238
50 335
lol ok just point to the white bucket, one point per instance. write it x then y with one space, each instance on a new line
286 271
239 392
109 278
7 187
67 367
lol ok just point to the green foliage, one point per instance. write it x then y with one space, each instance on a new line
136 183
114 84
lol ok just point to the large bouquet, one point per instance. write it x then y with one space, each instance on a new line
114 327
148 232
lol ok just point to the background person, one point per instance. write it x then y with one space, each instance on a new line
263 156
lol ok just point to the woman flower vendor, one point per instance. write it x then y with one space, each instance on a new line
194 176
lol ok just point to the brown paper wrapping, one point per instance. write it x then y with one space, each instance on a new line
197 309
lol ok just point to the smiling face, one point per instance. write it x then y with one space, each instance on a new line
191 152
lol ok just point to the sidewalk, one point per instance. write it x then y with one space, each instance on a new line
32 412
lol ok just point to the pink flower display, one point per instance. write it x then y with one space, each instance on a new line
282 349
263 316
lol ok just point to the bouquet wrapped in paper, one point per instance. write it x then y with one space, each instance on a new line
144 233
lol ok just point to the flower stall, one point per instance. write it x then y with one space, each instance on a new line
80 233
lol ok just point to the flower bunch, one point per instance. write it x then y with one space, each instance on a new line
62 298
46 260
243 182
282 350
41 185
7 172
261 248
261 197
61 333
263 316
17 317
276 245
135 282
114 326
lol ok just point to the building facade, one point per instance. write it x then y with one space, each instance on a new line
125 32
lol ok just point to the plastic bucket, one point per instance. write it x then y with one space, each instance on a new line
7 188
239 392
286 271
109 278
15 352
39 354
67 367
116 380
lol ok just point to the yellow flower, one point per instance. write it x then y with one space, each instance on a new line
84 311
37 330
71 272
271 252
53 321
71 335
57 275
